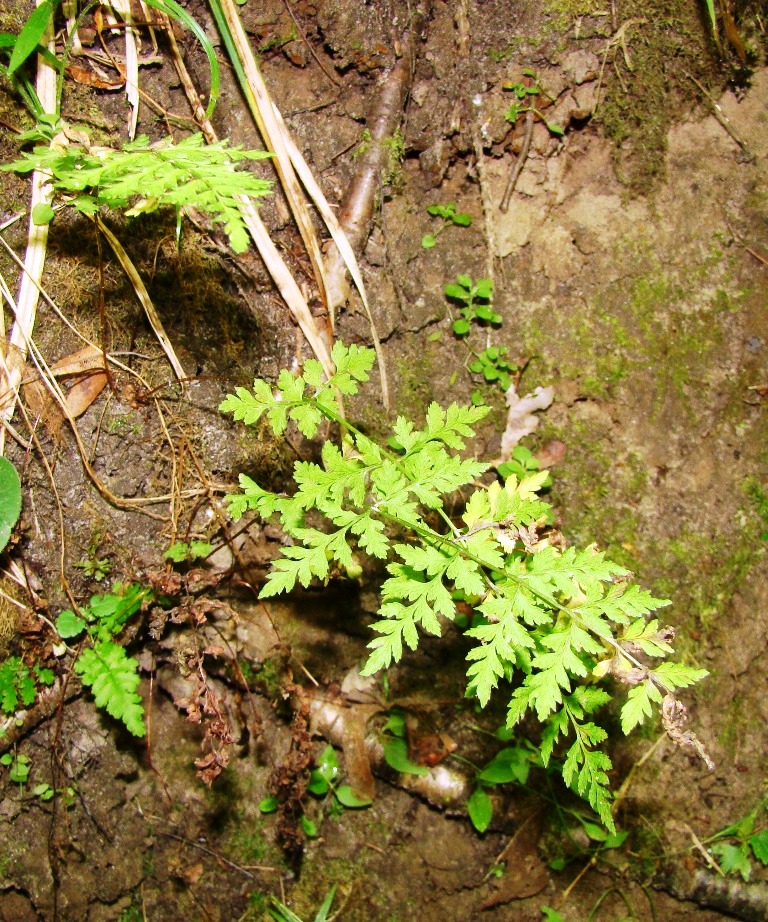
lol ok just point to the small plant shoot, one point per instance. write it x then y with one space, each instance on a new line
550 623
450 216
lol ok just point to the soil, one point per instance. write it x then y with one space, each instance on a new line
630 273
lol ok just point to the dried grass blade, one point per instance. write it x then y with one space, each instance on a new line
123 10
286 284
37 242
281 274
261 106
143 295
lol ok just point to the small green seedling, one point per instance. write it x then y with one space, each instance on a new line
394 742
494 365
282 913
522 463
524 98
19 683
449 216
324 780
19 765
94 567
186 552
475 300
509 765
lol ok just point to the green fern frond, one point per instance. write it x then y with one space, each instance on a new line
113 677
559 619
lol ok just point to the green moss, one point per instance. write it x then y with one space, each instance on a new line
648 71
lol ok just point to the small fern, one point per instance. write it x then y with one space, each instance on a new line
141 177
560 619
19 683
105 667
113 677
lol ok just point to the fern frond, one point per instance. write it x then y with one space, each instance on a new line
113 677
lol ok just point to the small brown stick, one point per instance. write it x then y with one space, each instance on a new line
722 118
220 858
530 116
357 208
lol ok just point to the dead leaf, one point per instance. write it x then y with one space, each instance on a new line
99 81
520 418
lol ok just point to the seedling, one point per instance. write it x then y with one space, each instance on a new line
525 96
493 362
510 765
522 463
282 913
449 217
93 566
183 552
19 683
494 365
475 300
325 779
19 766
394 741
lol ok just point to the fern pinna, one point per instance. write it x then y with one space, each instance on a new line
559 619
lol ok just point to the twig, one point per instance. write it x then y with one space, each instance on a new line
520 162
722 118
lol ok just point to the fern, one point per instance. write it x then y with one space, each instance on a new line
143 177
558 619
113 678
105 667
19 683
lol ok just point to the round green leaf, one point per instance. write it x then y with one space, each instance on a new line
428 241
269 805
68 624
10 500
461 327
310 829
42 213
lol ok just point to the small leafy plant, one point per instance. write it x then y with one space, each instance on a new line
735 847
525 97
493 362
494 365
188 551
103 665
450 216
19 767
511 764
475 300
19 683
324 780
551 622
521 464
282 913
